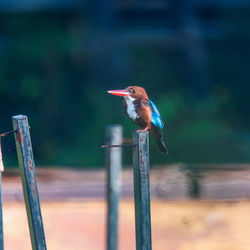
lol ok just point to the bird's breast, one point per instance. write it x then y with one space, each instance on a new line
131 109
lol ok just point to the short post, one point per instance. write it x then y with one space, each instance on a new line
28 175
142 190
195 183
114 164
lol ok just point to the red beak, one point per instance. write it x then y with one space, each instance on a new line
122 92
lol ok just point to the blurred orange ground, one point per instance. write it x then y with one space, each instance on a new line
175 225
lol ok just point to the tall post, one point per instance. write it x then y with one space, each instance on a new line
28 175
1 205
1 214
114 163
142 190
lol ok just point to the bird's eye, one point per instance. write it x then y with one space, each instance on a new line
133 91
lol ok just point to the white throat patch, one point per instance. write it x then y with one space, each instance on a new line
131 107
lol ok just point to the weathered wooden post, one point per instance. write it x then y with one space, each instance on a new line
142 190
114 164
28 175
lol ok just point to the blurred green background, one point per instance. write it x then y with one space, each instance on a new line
56 65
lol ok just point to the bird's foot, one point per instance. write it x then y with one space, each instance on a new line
142 130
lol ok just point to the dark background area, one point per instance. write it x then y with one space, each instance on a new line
58 59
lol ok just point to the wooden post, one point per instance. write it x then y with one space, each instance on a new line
1 215
28 175
195 178
142 190
195 188
114 164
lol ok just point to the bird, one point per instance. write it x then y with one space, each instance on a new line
143 112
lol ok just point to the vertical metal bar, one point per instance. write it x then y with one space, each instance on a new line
1 215
114 164
28 175
142 190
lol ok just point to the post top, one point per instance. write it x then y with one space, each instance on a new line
136 132
114 127
19 117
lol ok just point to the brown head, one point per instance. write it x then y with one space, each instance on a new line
131 91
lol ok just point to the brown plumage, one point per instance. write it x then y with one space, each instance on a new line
143 112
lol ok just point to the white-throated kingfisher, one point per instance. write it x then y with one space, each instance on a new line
143 112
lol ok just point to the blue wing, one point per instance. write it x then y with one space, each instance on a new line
156 117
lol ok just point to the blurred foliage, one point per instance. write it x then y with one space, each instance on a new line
45 74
